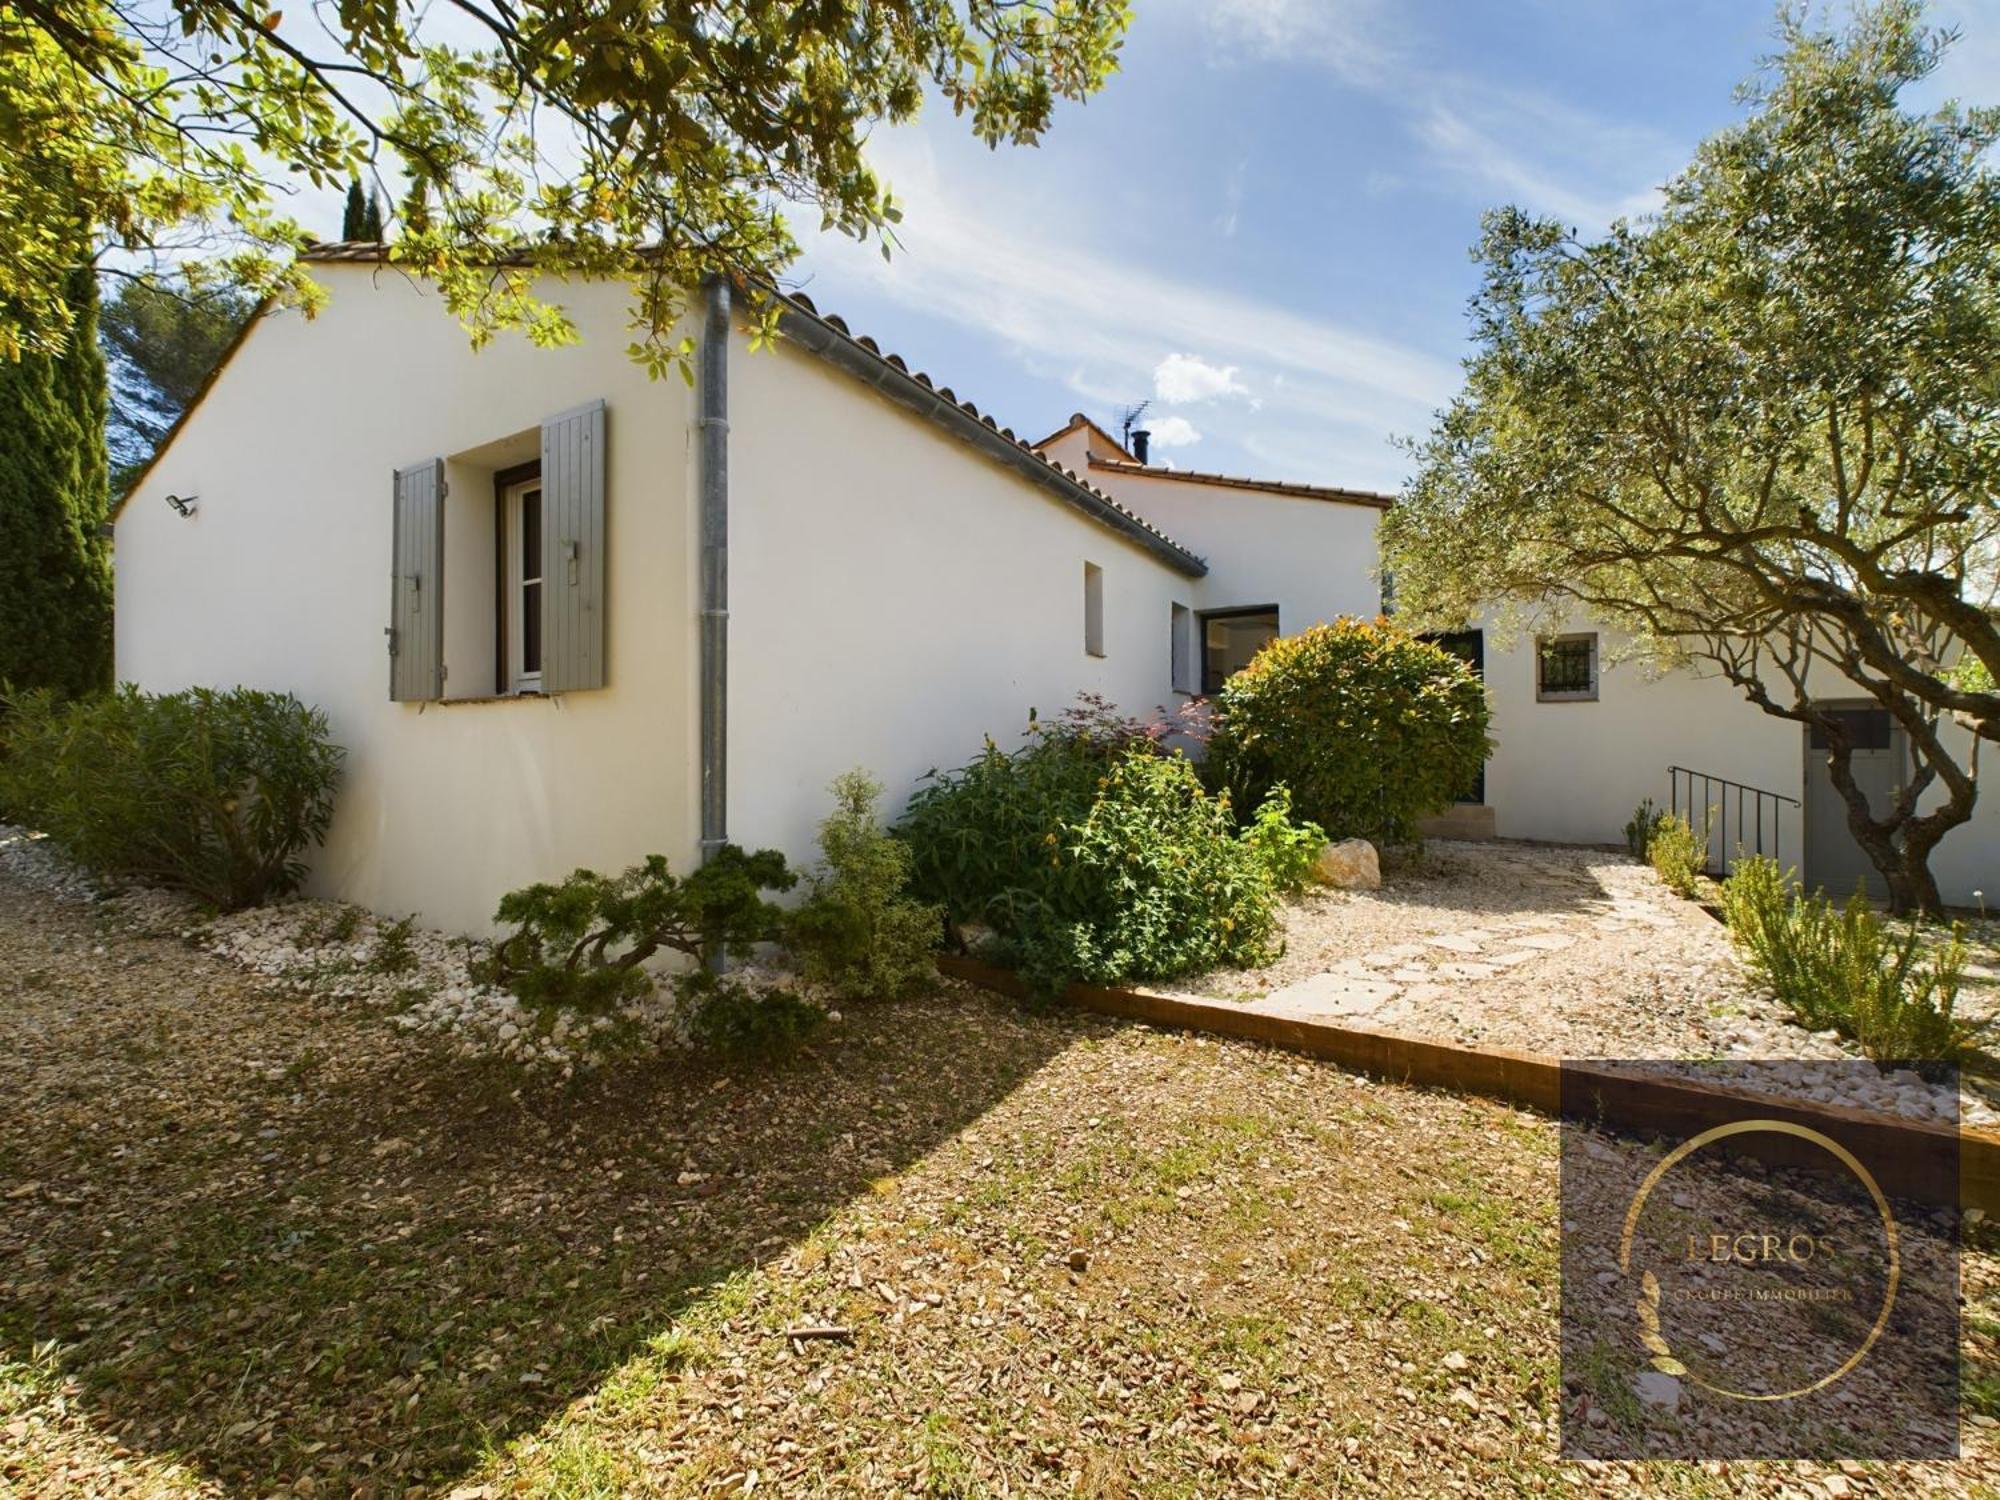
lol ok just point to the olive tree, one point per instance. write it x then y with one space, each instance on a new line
1760 430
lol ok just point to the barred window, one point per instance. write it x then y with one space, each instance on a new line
1566 669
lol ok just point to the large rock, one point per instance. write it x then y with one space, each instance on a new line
1350 865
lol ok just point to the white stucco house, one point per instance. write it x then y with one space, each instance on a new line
562 615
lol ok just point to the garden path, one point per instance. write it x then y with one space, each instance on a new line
1575 952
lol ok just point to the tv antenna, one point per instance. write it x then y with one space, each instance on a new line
1129 419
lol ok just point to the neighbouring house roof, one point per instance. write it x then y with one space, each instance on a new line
1340 496
1078 419
829 338
1128 463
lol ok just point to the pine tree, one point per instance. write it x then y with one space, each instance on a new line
55 569
351 218
371 221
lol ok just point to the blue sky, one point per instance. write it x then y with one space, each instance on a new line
1262 223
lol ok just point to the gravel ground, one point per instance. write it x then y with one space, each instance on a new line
420 977
1580 953
257 1240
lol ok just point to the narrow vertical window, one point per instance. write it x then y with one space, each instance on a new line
1093 609
523 599
1181 648
531 585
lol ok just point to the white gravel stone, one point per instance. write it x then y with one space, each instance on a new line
298 945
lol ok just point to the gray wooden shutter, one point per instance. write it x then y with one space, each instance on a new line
573 550
416 618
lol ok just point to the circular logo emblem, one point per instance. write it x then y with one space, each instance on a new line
1754 1258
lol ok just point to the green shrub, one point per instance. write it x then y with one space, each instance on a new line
1641 826
1094 856
219 794
1288 851
1677 853
857 931
582 943
1845 969
394 952
738 1022
1370 727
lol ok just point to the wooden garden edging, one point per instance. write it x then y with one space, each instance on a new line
1911 1158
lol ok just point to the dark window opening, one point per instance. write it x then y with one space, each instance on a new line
531 583
1867 728
1469 646
1566 668
1230 638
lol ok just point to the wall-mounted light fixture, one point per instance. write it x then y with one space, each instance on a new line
184 505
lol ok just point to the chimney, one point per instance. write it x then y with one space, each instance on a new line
1140 438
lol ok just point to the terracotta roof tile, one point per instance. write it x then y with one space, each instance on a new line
1237 482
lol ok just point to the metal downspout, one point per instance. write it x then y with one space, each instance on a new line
715 573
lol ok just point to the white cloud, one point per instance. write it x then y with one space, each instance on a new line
1096 322
1549 157
1173 432
1348 37
1496 143
1181 378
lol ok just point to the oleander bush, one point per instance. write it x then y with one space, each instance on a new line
858 931
1095 854
1845 969
582 943
219 794
1677 853
1370 728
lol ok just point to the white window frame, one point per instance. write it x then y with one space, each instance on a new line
1582 695
520 681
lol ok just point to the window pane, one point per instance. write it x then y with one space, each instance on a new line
1229 642
1867 728
1566 666
531 627
531 534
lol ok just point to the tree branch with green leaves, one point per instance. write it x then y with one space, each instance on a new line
1767 413
656 140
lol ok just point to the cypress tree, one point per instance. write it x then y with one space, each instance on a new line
371 220
351 225
55 569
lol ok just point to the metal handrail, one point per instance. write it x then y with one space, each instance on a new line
1751 803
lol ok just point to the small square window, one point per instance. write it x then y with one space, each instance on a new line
1566 669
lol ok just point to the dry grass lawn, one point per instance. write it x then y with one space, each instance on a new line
253 1244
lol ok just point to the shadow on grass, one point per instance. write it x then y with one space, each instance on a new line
378 1265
